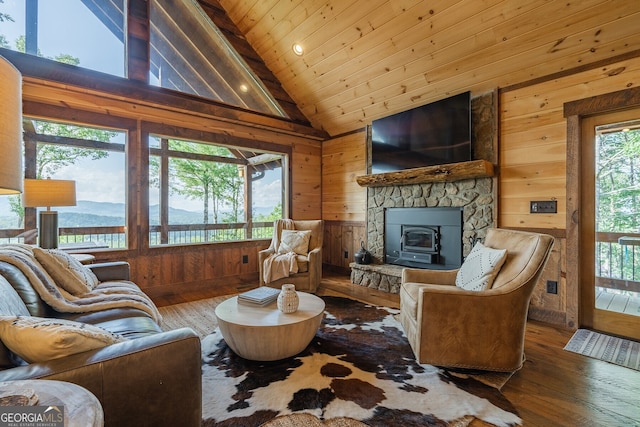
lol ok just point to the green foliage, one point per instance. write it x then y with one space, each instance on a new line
4 16
50 158
15 206
276 213
216 184
618 181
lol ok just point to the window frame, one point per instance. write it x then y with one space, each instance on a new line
74 117
149 129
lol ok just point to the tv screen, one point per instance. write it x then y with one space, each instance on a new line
433 134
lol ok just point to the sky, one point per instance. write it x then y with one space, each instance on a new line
60 21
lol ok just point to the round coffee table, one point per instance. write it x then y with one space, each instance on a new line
264 333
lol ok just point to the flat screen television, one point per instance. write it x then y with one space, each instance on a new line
433 134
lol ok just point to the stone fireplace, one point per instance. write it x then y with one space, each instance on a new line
474 196
466 185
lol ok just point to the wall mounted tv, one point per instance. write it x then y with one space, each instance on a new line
433 134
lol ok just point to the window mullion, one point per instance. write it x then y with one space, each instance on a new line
164 192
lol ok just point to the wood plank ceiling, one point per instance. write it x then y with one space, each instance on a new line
365 59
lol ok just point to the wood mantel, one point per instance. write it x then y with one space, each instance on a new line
439 173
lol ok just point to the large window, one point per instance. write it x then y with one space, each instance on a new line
92 157
201 192
187 51
189 54
87 33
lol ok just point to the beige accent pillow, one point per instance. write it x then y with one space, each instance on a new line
294 241
66 271
37 339
480 268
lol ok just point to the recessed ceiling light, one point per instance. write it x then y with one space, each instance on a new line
297 49
244 88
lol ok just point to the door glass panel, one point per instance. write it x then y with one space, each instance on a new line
617 196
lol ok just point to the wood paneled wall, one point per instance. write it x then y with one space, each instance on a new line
533 140
343 159
533 166
344 202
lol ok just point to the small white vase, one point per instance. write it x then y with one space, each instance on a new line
288 300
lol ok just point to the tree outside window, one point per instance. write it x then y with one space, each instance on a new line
199 192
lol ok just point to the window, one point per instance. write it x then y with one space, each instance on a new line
189 54
95 159
201 192
187 51
87 33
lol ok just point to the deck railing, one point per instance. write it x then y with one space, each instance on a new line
115 237
618 261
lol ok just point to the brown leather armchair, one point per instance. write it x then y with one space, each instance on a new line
452 327
309 266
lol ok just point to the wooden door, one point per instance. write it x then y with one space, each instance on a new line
610 223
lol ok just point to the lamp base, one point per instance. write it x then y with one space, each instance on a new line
48 235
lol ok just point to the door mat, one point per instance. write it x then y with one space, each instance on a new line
614 350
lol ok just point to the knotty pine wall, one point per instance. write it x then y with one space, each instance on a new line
344 202
532 166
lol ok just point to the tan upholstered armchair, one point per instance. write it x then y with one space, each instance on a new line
452 327
309 265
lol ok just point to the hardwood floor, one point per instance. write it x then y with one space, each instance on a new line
555 387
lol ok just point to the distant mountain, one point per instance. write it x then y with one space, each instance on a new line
93 214
95 208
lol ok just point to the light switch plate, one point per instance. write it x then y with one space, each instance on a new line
543 206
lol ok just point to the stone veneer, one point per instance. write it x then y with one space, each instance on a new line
474 195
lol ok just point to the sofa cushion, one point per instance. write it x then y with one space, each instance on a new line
125 321
480 268
10 305
37 339
294 241
66 271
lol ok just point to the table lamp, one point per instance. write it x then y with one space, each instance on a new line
48 192
11 171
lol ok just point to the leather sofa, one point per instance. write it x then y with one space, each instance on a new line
151 379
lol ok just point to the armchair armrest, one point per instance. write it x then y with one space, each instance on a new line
315 268
153 380
107 271
264 254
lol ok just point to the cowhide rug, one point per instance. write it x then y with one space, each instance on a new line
359 365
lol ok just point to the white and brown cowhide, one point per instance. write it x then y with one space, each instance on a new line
359 365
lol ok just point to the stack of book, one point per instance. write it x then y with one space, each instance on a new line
259 296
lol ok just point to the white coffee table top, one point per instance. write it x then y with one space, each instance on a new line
231 311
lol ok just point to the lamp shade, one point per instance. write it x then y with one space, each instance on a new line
11 171
48 192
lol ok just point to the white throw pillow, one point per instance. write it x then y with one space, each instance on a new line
480 268
294 241
37 339
66 271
